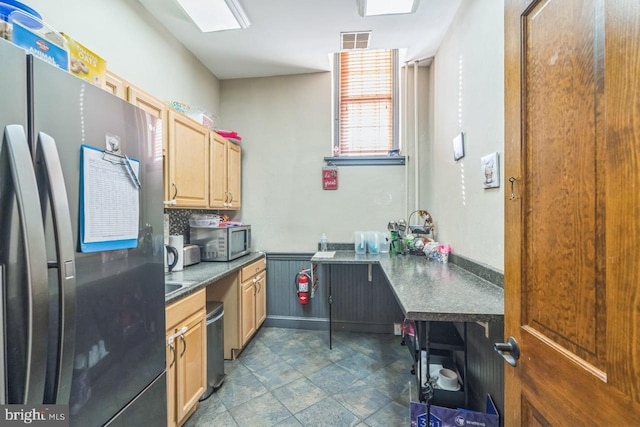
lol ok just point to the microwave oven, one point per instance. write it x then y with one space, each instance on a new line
221 243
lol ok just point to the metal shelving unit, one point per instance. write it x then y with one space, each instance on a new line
438 342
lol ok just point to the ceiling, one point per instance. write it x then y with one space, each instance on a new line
297 36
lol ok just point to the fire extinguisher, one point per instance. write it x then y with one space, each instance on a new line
302 286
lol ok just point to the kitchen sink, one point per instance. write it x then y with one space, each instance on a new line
171 287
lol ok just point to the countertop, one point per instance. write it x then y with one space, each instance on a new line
196 277
430 290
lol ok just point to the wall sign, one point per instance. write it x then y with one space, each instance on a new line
329 178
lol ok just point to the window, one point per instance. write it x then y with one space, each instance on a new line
366 105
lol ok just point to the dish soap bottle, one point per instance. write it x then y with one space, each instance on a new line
323 243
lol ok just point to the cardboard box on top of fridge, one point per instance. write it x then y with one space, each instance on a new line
85 64
29 32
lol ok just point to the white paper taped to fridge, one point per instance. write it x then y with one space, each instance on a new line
111 202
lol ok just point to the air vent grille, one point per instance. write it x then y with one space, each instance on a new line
355 40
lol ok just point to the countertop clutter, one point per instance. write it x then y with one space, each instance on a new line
428 290
199 276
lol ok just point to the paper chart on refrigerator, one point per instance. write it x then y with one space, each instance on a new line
111 202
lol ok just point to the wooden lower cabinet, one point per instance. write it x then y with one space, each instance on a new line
253 299
261 300
186 356
248 303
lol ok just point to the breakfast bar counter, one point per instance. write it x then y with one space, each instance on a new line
430 290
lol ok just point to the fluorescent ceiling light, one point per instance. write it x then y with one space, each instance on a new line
215 15
387 7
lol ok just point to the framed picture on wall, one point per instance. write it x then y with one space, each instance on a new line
490 165
458 147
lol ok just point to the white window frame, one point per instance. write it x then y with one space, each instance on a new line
394 158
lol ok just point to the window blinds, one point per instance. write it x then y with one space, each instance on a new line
366 102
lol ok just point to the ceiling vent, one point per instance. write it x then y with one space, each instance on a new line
355 40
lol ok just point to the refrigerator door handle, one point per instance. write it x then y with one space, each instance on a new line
47 157
3 325
26 193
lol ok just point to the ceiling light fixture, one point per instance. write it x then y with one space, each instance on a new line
215 15
386 7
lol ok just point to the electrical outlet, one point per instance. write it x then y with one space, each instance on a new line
396 329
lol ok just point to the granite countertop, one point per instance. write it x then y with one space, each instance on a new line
430 290
196 277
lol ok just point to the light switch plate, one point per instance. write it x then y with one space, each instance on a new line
396 329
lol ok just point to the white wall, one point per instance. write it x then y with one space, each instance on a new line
285 123
469 96
136 47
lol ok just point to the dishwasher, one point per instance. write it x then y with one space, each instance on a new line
215 350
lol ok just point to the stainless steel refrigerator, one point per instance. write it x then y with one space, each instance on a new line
84 329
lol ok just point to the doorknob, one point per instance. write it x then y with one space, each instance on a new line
510 350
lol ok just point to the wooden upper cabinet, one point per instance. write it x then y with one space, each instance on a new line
224 188
188 161
116 85
234 175
158 109
218 186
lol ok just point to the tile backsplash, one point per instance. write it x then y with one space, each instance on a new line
179 220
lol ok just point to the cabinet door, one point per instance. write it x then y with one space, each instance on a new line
172 357
188 161
192 366
261 299
234 175
158 109
115 85
248 312
218 195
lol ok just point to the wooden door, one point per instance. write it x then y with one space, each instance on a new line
188 161
572 96
248 310
218 182
234 175
192 364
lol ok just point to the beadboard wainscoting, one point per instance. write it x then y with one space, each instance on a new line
283 308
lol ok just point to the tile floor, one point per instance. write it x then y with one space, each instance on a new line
289 377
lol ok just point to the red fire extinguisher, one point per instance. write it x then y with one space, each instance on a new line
302 286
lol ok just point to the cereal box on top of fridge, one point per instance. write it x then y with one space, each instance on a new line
85 64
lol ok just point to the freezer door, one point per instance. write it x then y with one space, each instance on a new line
119 297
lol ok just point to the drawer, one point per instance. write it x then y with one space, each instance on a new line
180 310
253 269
